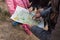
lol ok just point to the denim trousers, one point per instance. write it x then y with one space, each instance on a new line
40 33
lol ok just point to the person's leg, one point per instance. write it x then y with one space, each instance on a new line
27 29
40 33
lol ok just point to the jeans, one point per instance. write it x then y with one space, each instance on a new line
40 33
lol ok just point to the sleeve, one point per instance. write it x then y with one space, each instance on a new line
28 3
10 5
45 12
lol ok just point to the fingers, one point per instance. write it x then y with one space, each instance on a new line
37 13
35 10
46 27
30 3
30 9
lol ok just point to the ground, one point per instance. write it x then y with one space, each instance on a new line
9 32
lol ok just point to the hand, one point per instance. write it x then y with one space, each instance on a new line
46 28
37 14
30 9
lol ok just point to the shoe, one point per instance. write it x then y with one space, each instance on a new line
15 23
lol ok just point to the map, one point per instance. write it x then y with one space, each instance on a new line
22 15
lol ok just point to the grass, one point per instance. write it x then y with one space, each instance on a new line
0 10
4 15
3 0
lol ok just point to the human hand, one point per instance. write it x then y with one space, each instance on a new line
30 9
37 14
46 28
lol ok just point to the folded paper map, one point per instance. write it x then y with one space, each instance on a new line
22 15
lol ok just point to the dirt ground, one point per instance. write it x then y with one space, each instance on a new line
9 32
